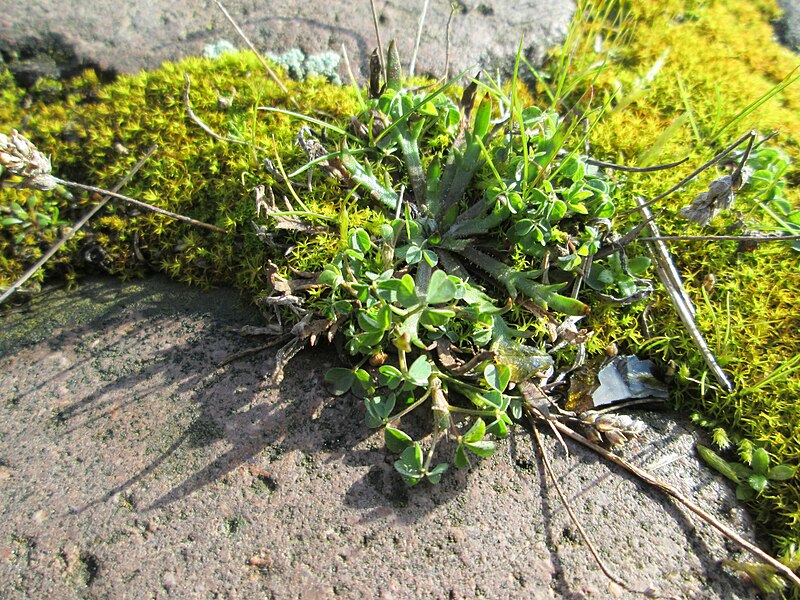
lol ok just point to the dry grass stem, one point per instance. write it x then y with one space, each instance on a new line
548 467
689 504
378 37
722 238
747 136
668 274
205 127
263 62
607 165
423 15
140 204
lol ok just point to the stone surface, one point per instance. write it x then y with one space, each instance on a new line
789 25
130 466
129 36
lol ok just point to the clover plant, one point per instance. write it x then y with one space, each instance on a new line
478 196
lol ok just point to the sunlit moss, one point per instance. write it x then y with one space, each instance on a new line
96 134
717 58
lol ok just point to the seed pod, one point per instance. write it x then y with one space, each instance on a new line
611 428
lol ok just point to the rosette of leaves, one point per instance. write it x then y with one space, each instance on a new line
503 207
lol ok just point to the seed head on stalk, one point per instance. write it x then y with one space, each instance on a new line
20 157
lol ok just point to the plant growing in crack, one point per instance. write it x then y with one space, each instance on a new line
507 204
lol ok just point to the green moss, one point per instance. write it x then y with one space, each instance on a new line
95 134
717 58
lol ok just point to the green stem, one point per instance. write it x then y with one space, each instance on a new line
408 409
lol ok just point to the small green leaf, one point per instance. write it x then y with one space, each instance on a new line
412 253
362 384
406 293
638 265
394 75
781 473
760 461
436 317
396 440
475 432
340 380
392 377
368 322
495 399
498 428
461 461
378 409
331 276
758 482
497 376
483 448
430 257
440 289
626 286
359 240
482 118
419 371
744 492
435 474
715 461
412 457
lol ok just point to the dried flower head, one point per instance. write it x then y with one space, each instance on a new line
708 204
611 428
20 157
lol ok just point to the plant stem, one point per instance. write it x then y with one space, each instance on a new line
689 504
139 203
721 238
575 521
669 276
250 45
696 172
408 409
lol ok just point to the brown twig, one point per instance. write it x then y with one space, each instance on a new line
573 517
422 16
381 56
607 165
671 491
447 43
696 172
77 227
722 238
250 45
139 203
252 350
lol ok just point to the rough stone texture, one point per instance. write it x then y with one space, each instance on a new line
131 467
129 36
789 25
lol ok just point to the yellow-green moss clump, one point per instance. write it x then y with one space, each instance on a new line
715 58
96 133
676 84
